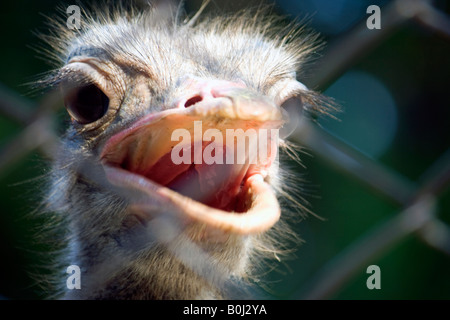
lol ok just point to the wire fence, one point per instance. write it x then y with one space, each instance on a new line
418 212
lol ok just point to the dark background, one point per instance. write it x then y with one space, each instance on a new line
396 110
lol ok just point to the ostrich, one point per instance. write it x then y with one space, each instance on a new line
144 223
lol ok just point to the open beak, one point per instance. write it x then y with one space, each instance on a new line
207 163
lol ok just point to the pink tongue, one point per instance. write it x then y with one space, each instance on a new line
215 185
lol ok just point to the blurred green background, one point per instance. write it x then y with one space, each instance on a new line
396 110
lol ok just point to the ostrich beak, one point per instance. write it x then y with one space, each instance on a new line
207 163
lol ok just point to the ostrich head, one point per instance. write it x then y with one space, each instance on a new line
156 206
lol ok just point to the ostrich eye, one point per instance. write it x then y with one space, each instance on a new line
292 108
86 104
293 105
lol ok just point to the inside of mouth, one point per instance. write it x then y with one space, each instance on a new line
149 151
217 185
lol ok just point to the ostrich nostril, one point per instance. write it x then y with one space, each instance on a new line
192 101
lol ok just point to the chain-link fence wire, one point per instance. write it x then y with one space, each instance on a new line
418 212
